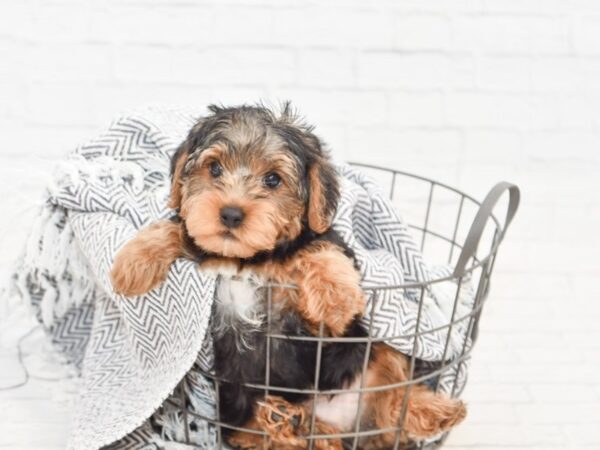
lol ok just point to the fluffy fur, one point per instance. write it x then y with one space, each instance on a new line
256 194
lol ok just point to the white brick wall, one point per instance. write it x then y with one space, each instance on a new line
465 91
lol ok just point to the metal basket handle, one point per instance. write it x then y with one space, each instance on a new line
485 212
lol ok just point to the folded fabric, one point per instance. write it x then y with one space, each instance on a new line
132 353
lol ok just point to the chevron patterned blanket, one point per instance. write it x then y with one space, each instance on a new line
133 354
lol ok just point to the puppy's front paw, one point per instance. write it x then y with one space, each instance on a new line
134 274
335 305
330 291
144 262
282 421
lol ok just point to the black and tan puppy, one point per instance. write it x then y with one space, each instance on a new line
255 195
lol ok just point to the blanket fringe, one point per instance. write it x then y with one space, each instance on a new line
53 264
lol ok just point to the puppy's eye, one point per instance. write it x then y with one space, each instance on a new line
272 180
215 169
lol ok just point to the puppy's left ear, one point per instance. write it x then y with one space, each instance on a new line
324 194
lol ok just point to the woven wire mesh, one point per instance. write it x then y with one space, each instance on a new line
446 218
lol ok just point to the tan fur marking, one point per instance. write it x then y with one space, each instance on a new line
145 260
249 441
318 218
258 231
176 184
328 286
282 434
427 413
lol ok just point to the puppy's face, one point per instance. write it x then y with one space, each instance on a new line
246 180
243 199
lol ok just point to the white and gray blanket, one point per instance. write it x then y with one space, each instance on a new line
133 353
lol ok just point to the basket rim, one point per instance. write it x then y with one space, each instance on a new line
478 262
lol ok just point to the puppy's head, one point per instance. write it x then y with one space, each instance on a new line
247 179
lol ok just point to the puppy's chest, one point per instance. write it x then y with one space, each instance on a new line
241 301
239 297
243 296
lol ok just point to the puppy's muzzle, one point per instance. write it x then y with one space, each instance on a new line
232 216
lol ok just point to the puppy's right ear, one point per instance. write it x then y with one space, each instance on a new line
177 166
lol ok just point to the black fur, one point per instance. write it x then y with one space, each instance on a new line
292 364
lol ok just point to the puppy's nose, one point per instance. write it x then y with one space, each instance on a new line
232 216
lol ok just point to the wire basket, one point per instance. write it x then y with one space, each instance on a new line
453 227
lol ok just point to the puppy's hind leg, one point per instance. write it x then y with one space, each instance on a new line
145 260
427 414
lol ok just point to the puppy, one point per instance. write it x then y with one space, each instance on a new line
255 195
